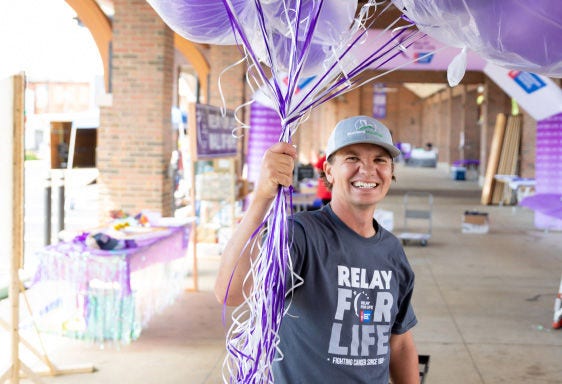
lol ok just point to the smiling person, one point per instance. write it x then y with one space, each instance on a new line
351 319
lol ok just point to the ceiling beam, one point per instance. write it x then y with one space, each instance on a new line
416 76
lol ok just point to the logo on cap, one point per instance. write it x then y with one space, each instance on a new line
365 127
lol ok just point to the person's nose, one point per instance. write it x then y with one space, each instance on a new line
368 168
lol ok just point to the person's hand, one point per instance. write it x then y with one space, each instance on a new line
277 169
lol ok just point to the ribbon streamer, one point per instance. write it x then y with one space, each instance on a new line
252 340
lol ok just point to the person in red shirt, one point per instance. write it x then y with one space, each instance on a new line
323 193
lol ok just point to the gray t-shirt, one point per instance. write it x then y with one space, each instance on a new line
356 292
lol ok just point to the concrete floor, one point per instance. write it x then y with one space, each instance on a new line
484 304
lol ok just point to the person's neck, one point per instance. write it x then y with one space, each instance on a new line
359 219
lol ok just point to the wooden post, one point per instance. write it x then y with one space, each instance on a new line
16 245
233 193
193 236
208 125
17 216
192 133
493 160
15 178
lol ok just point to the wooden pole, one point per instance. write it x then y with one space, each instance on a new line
233 193
192 132
17 219
193 235
17 214
493 160
17 368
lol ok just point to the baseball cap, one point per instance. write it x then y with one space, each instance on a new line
360 130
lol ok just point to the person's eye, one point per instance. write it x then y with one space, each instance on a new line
381 160
351 158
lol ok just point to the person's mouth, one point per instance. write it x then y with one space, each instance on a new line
364 185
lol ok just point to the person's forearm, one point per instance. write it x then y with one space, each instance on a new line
235 260
404 366
277 169
405 371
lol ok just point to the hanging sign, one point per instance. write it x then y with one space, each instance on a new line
211 132
379 101
538 95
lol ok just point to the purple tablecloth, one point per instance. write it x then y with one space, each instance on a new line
79 264
96 284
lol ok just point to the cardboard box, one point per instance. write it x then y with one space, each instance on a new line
475 222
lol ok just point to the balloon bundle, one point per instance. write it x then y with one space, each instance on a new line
299 54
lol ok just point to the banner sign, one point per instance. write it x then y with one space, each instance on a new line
265 130
538 95
379 101
212 132
548 166
425 54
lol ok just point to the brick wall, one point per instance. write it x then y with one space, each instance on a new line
472 126
135 135
403 113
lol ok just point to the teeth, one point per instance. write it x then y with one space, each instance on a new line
361 184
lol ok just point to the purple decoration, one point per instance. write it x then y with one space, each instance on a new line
379 101
199 21
548 172
537 44
514 34
111 291
141 255
289 27
333 19
81 238
264 132
549 204
315 57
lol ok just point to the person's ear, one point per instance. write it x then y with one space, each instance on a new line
328 172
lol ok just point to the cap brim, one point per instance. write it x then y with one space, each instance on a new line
391 149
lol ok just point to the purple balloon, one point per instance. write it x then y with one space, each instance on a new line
332 26
516 34
529 32
200 21
333 21
316 55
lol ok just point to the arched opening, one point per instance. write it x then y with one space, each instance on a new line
92 16
99 24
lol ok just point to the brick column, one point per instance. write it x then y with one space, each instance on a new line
233 85
232 80
135 138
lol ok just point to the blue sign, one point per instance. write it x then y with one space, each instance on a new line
529 82
423 57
